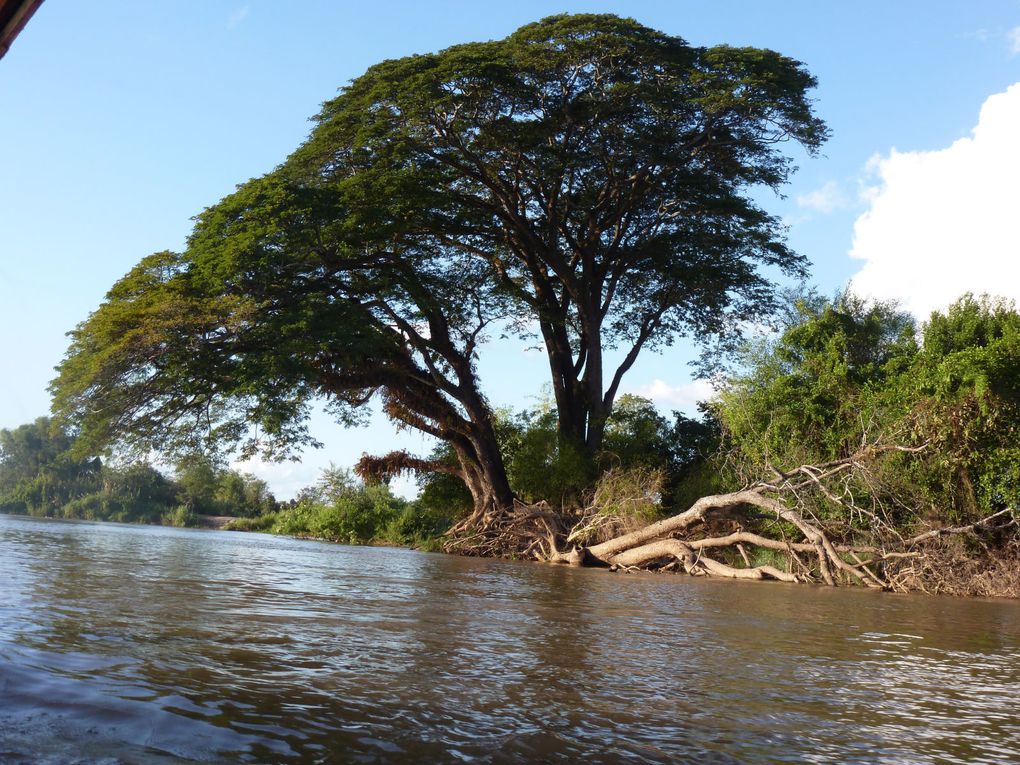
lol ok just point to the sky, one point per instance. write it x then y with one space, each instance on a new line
119 121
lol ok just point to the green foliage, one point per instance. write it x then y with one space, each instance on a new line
242 494
623 500
37 475
181 516
334 484
355 518
509 151
349 513
693 445
207 487
966 386
634 493
197 478
636 434
639 442
971 323
848 373
443 495
542 464
134 493
258 523
340 508
91 507
419 526
821 385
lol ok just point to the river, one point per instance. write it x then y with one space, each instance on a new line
127 644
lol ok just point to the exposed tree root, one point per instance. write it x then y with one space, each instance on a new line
527 531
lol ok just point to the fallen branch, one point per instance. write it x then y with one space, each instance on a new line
695 564
873 554
945 531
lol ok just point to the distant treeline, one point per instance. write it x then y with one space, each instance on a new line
40 477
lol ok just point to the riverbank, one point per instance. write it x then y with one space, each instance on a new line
956 569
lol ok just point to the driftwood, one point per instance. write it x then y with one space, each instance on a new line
816 551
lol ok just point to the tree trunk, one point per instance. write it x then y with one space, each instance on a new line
493 493
591 384
580 406
571 415
484 474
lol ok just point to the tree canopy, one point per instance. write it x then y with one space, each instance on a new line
586 179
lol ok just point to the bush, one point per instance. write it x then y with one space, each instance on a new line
258 523
623 500
357 515
88 508
542 466
850 373
419 526
181 516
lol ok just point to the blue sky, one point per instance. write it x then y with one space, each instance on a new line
121 120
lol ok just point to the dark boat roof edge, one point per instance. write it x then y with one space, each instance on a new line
14 14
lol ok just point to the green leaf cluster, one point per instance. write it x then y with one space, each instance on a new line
847 373
340 508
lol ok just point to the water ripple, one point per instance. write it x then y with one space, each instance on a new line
122 644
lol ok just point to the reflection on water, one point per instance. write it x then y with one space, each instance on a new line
127 644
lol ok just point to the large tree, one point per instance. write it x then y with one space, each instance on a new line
586 178
600 167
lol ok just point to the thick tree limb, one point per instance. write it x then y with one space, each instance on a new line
694 563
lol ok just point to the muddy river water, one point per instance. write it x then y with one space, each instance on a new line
123 644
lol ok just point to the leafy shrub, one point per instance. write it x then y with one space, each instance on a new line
542 466
623 500
849 373
91 507
258 523
181 516
357 515
419 526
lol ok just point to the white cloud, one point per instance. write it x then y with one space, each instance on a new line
683 396
944 222
984 35
237 16
867 188
826 199
1013 36
286 479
